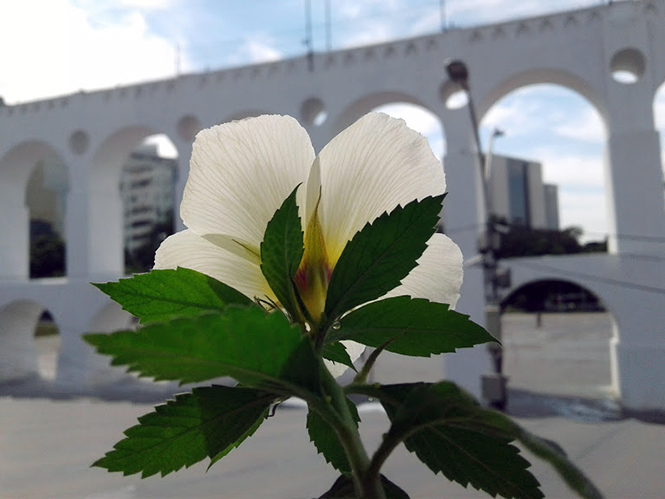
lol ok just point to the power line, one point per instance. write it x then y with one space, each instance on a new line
590 277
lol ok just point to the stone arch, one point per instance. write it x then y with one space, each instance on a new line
106 204
537 343
361 106
571 269
568 283
19 356
538 76
571 152
16 169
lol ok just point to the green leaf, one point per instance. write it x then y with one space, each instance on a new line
571 474
452 434
163 295
381 255
325 439
281 251
336 352
416 327
343 489
252 346
326 442
208 422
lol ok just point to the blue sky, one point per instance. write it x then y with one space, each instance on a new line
88 44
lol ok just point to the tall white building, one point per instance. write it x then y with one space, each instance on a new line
518 194
147 190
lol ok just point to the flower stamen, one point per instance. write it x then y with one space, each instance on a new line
314 273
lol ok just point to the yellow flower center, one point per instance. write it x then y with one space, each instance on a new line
315 270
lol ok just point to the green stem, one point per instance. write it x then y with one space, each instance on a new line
361 377
366 481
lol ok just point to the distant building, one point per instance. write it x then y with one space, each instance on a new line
519 195
147 190
551 206
45 197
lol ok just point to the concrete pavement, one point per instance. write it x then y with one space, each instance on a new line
48 443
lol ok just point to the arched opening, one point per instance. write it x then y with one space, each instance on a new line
659 119
556 340
399 105
47 343
29 342
147 187
421 120
33 189
133 200
546 145
45 199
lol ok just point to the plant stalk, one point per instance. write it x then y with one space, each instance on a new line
366 480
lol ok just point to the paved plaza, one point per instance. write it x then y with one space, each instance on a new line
559 389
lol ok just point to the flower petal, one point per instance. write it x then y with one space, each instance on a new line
186 249
438 276
240 174
371 167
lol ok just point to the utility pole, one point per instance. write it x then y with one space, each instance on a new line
328 26
308 42
442 13
493 385
177 59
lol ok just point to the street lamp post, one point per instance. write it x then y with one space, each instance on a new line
493 385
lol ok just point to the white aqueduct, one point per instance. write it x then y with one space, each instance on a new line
93 133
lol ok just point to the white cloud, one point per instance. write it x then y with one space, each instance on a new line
570 170
546 109
584 209
354 9
372 32
147 4
256 49
588 127
474 12
63 50
515 117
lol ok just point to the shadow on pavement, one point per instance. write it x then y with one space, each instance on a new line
521 403
527 404
124 390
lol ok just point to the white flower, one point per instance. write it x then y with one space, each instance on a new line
241 173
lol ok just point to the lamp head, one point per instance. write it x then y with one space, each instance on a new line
457 72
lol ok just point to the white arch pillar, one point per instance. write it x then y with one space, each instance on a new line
462 211
19 357
633 170
94 225
14 226
77 219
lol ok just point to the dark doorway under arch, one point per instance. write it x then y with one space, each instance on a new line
552 296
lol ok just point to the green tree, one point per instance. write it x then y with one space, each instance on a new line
47 256
523 241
